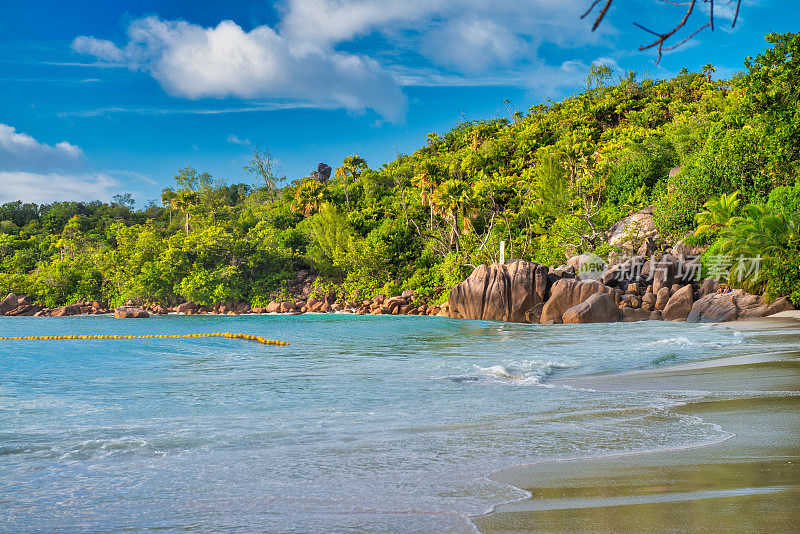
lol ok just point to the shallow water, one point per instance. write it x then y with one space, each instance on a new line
363 424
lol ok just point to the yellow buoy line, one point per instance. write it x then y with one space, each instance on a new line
246 337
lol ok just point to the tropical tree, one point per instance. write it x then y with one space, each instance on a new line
350 171
451 199
309 197
759 237
717 214
168 198
184 202
263 164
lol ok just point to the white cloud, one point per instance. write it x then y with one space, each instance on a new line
20 151
53 187
309 58
225 61
232 139
322 23
33 171
101 49
472 45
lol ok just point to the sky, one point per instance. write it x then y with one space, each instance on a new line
99 98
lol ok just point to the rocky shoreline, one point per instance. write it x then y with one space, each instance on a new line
636 290
405 304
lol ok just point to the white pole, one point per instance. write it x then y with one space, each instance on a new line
502 251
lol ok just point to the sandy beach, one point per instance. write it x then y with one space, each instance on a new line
749 482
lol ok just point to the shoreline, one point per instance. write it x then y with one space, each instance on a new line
747 481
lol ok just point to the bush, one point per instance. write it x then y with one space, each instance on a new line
642 166
782 276
785 199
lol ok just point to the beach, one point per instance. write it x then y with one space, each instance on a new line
747 482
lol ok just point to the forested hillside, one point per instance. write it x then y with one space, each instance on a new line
549 182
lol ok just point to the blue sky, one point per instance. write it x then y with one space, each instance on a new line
104 97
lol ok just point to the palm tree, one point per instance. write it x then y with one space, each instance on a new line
168 198
351 170
451 199
309 197
184 202
427 176
718 214
759 235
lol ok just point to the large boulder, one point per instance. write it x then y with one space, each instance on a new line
685 252
671 270
662 298
598 308
127 312
568 293
499 292
323 173
665 272
9 303
733 305
65 311
629 233
710 285
632 315
25 310
679 304
187 306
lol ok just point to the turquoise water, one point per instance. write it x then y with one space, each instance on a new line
363 424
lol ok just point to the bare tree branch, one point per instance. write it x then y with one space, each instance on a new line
663 37
602 14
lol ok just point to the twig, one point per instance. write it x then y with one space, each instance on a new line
602 14
663 37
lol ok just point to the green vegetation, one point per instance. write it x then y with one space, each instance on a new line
549 183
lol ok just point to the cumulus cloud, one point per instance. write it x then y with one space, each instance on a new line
55 187
309 57
33 171
20 151
225 61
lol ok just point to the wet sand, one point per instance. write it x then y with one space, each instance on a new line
747 483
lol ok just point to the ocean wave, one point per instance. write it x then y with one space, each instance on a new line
526 373
682 341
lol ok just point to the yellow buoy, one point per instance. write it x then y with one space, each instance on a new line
246 337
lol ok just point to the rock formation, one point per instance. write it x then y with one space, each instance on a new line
598 308
631 232
323 173
733 305
127 312
679 304
500 292
567 293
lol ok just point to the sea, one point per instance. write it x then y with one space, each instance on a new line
361 424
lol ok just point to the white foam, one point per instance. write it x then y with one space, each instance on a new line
686 342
